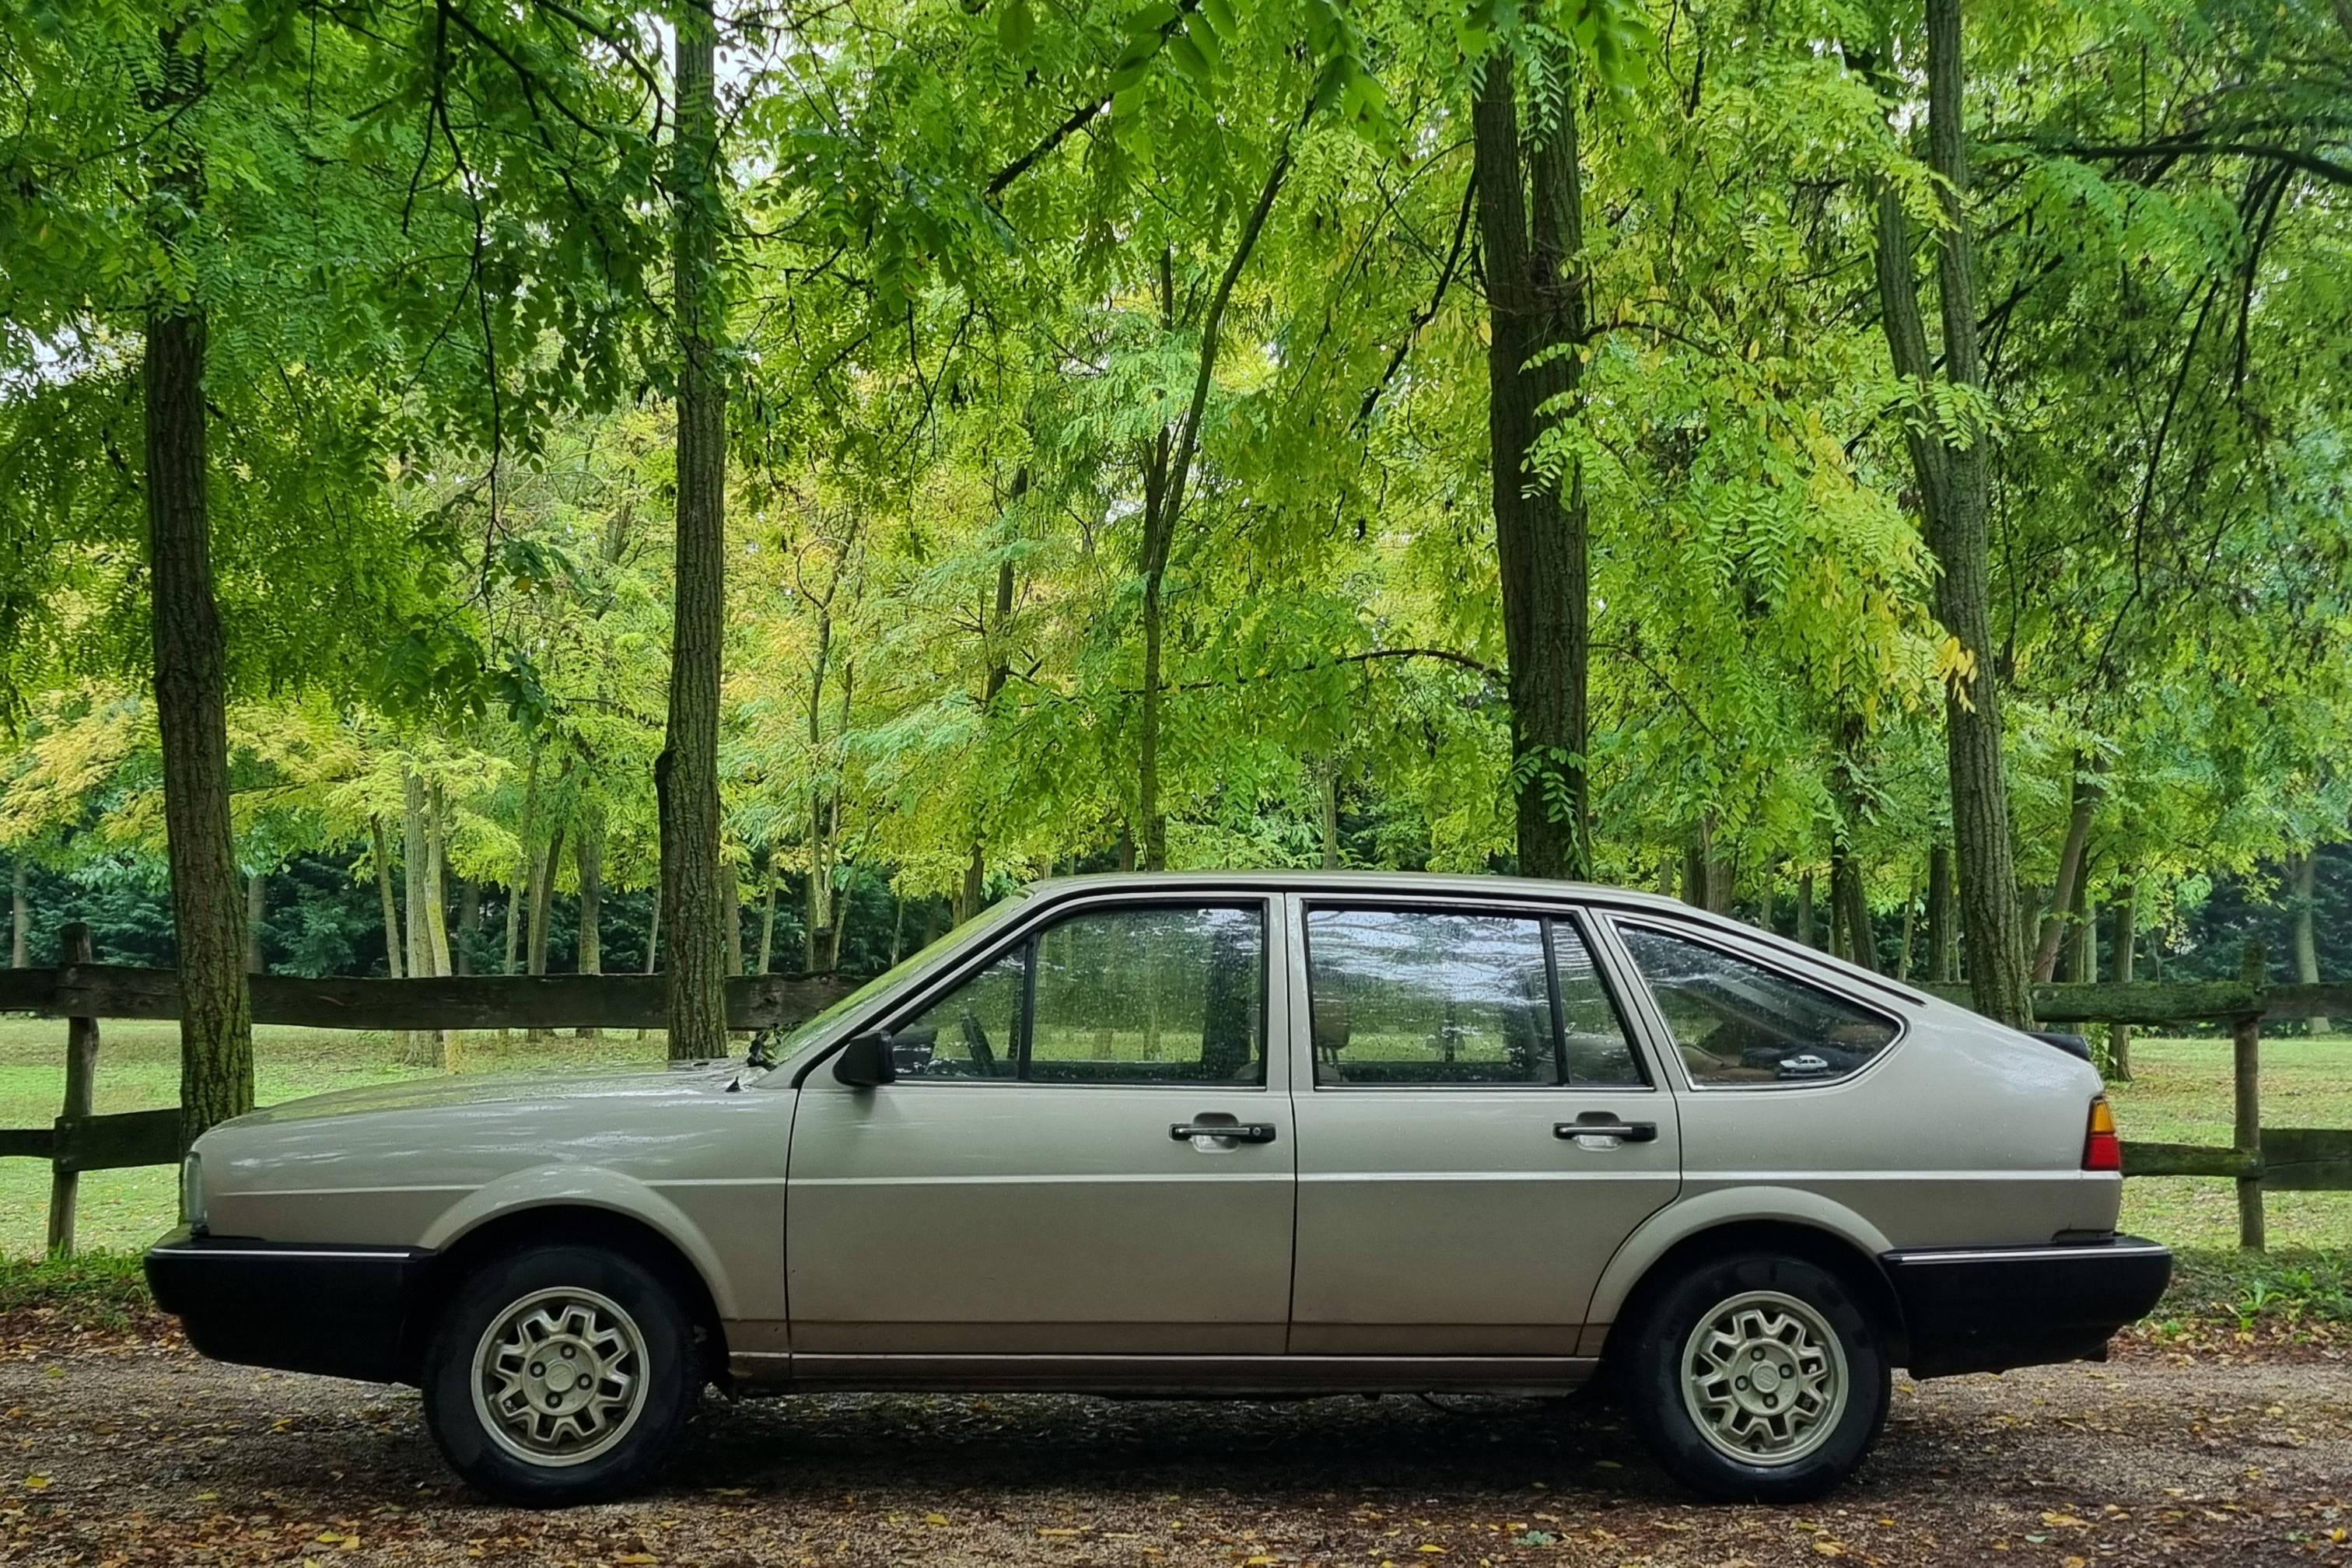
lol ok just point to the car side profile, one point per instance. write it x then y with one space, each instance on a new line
1245 1134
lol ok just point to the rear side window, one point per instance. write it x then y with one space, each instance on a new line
1404 997
1740 1022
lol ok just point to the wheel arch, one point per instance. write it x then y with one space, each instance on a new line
511 1229
1821 1232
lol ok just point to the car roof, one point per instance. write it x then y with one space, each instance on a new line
1470 885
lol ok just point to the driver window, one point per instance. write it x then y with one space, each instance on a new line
1740 1022
1150 995
971 1032
1131 994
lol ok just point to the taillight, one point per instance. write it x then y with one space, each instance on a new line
2102 1150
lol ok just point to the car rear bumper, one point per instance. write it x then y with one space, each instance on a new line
1987 1309
344 1312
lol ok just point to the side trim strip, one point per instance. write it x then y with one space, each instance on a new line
2088 1252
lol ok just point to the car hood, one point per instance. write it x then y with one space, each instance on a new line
431 1093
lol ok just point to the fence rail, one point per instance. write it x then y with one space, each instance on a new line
83 993
479 1002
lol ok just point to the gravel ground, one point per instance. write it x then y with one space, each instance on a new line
129 1449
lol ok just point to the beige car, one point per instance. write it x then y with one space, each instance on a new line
1243 1135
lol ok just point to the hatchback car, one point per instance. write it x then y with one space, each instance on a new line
1239 1135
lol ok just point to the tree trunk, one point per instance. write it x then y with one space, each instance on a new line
816 891
1330 793
767 916
2307 947
652 939
1943 917
1910 927
1805 908
542 901
588 856
449 1045
469 926
2083 948
191 676
730 900
1764 901
2126 939
1850 893
686 775
395 966
437 879
1535 302
20 917
525 879
415 861
257 910
1952 469
2083 798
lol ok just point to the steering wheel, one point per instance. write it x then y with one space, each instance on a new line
975 1039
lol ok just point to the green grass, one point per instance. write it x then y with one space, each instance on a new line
2181 1094
93 1290
139 1069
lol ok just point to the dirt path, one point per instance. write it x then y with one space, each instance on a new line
144 1454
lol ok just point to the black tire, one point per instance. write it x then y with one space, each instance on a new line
604 1434
1800 1325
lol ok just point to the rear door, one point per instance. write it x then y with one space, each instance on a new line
1029 1185
1477 1130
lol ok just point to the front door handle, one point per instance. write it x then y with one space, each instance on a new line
1236 1132
1601 1124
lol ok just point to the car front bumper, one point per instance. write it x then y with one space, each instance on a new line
1988 1308
345 1312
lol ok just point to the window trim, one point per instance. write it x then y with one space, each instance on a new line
896 1014
1546 915
1619 919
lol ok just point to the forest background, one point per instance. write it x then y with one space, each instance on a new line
492 487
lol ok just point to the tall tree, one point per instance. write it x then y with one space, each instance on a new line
686 776
1540 314
1949 438
190 655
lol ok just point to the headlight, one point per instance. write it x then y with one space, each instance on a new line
192 1194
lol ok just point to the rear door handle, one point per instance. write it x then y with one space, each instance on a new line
1604 1126
1237 1132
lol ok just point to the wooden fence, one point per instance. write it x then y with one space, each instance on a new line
2276 1159
83 993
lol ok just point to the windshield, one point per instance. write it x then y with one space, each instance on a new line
807 1033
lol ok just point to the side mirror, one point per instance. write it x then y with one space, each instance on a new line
866 1061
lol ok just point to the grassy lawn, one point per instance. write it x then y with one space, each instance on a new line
2181 1094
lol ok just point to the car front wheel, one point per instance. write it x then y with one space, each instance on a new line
1758 1379
560 1374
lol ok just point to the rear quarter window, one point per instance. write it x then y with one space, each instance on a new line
1736 1023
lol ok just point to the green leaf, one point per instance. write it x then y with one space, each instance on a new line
1190 62
1016 27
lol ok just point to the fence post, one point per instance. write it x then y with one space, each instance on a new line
81 1066
2246 1049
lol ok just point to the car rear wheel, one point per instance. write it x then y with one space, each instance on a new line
1758 1379
560 1374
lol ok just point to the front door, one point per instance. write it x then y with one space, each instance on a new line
1033 1183
1477 1132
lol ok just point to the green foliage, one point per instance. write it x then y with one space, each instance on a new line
974 248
